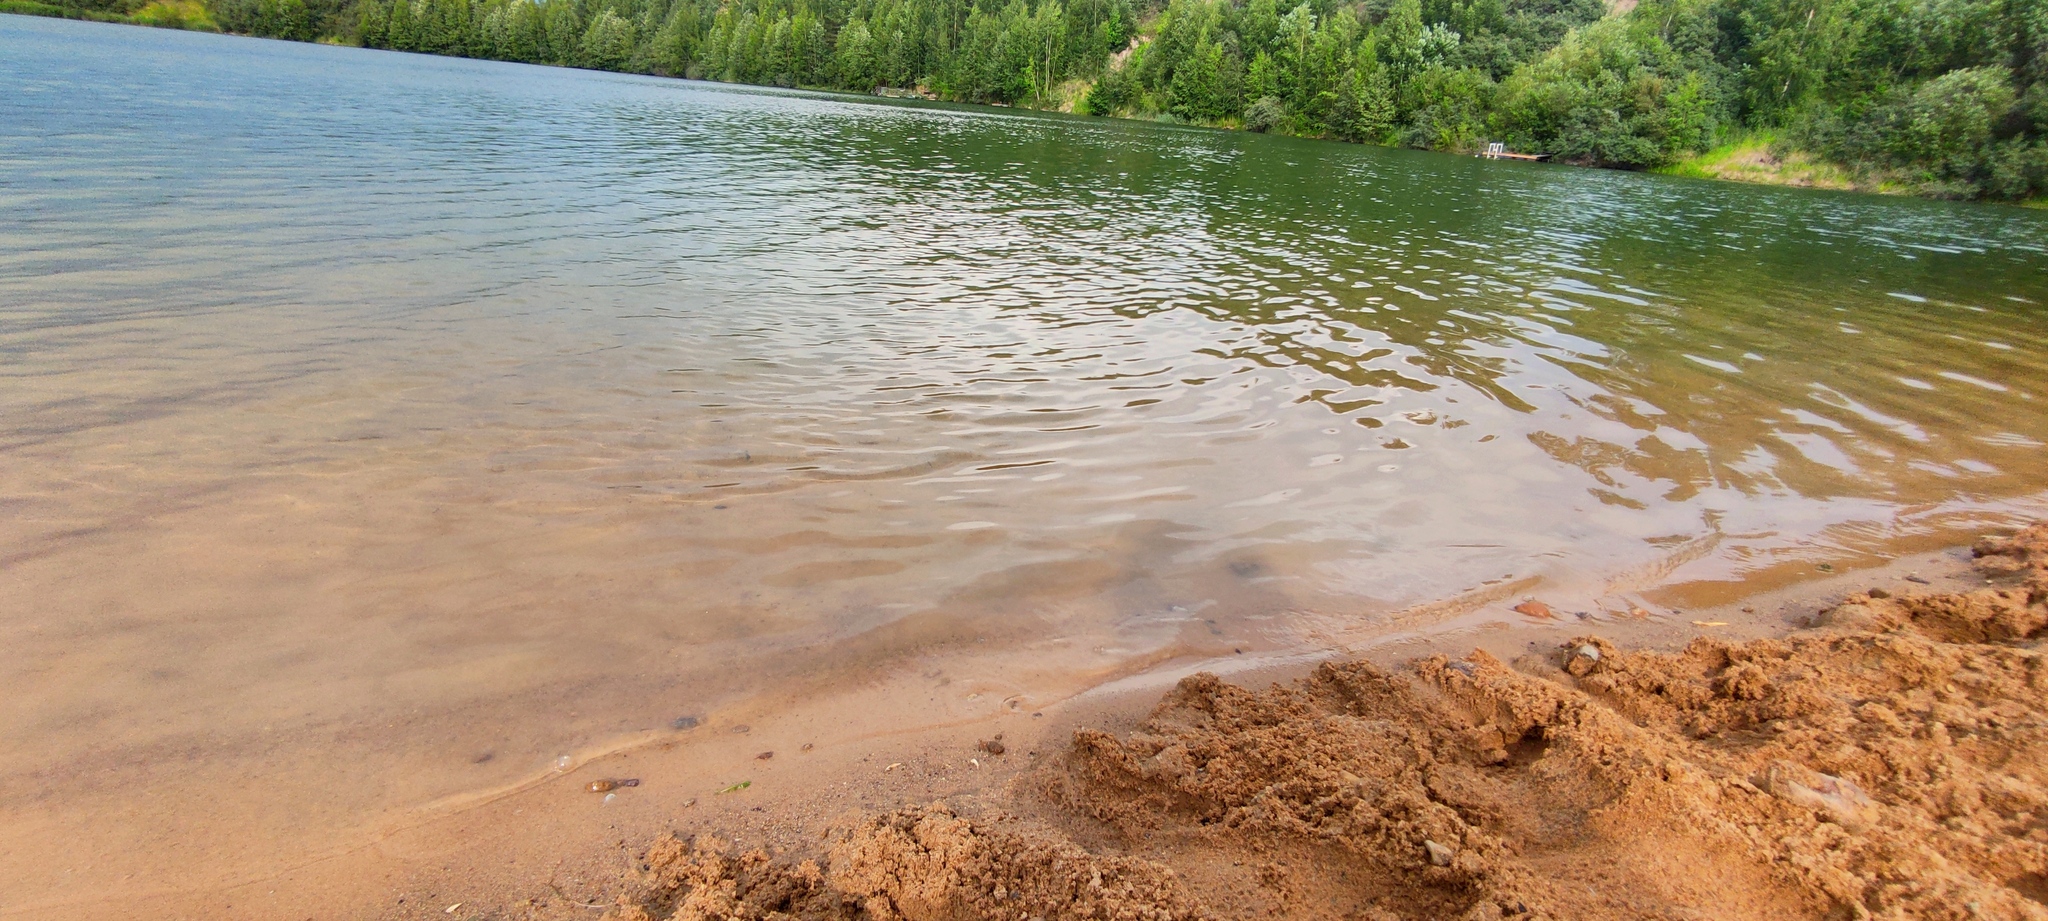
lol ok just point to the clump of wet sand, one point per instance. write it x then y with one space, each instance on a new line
1891 762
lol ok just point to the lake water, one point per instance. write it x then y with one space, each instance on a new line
378 429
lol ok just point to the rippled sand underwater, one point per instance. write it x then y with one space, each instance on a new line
378 429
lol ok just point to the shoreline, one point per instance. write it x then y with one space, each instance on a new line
1754 160
547 847
1871 756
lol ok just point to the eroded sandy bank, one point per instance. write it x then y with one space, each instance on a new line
1889 761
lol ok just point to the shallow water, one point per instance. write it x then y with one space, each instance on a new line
376 429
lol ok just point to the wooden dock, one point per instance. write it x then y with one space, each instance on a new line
1499 151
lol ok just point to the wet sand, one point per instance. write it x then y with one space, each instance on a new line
1884 759
1488 740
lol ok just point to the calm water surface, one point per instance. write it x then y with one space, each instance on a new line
376 429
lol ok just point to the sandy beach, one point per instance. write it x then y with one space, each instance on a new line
1882 759
1854 744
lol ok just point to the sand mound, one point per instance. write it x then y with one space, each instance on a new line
913 864
1892 763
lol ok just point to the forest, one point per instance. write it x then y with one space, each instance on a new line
1947 98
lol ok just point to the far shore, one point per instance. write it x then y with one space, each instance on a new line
1756 158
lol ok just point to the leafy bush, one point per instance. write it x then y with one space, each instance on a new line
289 19
1264 114
1449 107
1963 134
1114 92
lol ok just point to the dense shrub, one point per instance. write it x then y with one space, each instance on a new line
1264 114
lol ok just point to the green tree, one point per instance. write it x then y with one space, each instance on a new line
1791 47
608 43
561 31
1365 101
853 61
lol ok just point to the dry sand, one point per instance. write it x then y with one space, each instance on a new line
1890 760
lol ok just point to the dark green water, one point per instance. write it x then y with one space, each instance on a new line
538 406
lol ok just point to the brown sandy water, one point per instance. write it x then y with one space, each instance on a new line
377 431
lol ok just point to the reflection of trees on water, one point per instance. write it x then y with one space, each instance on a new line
1667 338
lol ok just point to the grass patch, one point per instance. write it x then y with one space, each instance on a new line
175 14
32 8
1760 157
1067 96
163 14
